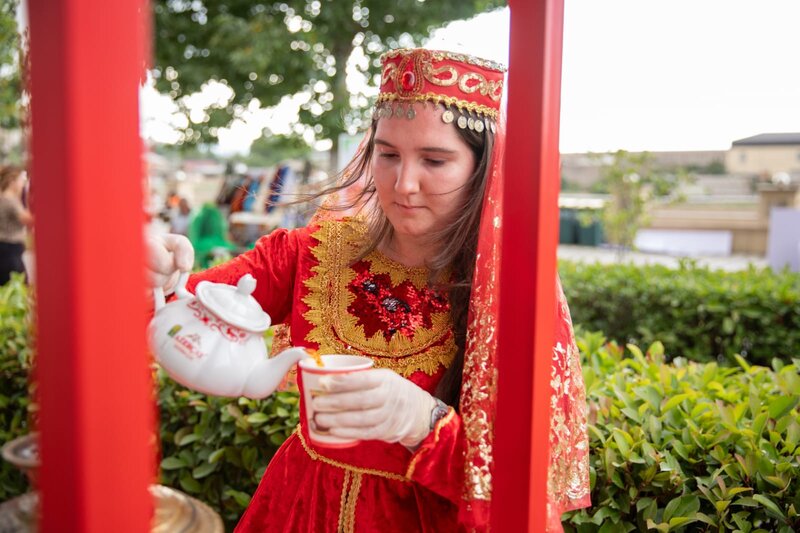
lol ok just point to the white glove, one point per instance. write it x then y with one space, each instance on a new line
167 256
374 405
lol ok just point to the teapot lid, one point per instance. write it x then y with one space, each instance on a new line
234 305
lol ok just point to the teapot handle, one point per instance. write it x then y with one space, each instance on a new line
160 300
180 289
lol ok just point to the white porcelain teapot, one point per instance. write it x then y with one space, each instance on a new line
214 343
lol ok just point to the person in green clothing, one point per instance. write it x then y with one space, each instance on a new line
208 232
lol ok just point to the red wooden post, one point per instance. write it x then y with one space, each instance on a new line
97 441
527 289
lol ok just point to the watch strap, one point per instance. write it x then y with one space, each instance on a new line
439 411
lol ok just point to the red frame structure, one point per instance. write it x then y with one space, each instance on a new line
97 441
95 391
528 266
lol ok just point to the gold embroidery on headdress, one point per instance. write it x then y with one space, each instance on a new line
405 79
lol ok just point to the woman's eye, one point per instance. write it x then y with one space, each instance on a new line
387 155
435 162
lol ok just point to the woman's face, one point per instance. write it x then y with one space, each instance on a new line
420 168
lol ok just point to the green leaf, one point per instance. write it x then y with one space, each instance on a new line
742 362
635 351
685 506
675 400
770 505
189 484
758 424
277 439
257 418
241 498
203 470
173 463
721 505
656 350
649 394
623 440
680 521
188 439
659 527
782 405
705 519
216 455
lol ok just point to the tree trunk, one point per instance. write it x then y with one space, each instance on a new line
341 53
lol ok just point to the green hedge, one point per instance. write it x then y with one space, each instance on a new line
689 446
217 449
681 446
15 362
697 313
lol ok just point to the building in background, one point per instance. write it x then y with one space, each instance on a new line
766 155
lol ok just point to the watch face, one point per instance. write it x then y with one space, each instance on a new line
438 413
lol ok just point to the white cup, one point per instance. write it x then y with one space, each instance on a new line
311 373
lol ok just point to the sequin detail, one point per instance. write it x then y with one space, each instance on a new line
370 307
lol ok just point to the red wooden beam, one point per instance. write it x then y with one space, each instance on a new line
94 384
527 287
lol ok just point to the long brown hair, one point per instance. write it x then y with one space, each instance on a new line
451 269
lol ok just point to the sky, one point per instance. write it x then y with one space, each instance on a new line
636 74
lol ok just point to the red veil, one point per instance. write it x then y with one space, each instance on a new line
568 470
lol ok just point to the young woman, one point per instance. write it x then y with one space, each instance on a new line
410 281
14 218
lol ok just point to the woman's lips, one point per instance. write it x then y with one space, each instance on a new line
408 207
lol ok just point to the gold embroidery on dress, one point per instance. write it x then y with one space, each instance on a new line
351 486
336 330
480 366
380 264
349 524
343 501
344 466
568 471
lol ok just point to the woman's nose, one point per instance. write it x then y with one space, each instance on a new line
407 180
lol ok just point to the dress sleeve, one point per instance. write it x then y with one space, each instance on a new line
438 463
272 262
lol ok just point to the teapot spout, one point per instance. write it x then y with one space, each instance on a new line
265 376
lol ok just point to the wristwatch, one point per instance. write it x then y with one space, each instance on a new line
439 411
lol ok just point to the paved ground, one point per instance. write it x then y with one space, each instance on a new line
591 254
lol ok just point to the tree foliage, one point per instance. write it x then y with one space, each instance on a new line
264 51
10 79
633 182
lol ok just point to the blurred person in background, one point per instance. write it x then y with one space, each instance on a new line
181 217
208 233
14 219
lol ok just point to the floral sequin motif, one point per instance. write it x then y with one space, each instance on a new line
389 310
373 306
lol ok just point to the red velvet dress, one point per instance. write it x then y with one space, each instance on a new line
306 279
374 307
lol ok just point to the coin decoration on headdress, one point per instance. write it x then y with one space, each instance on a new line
470 88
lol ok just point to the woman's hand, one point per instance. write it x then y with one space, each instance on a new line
374 405
167 256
